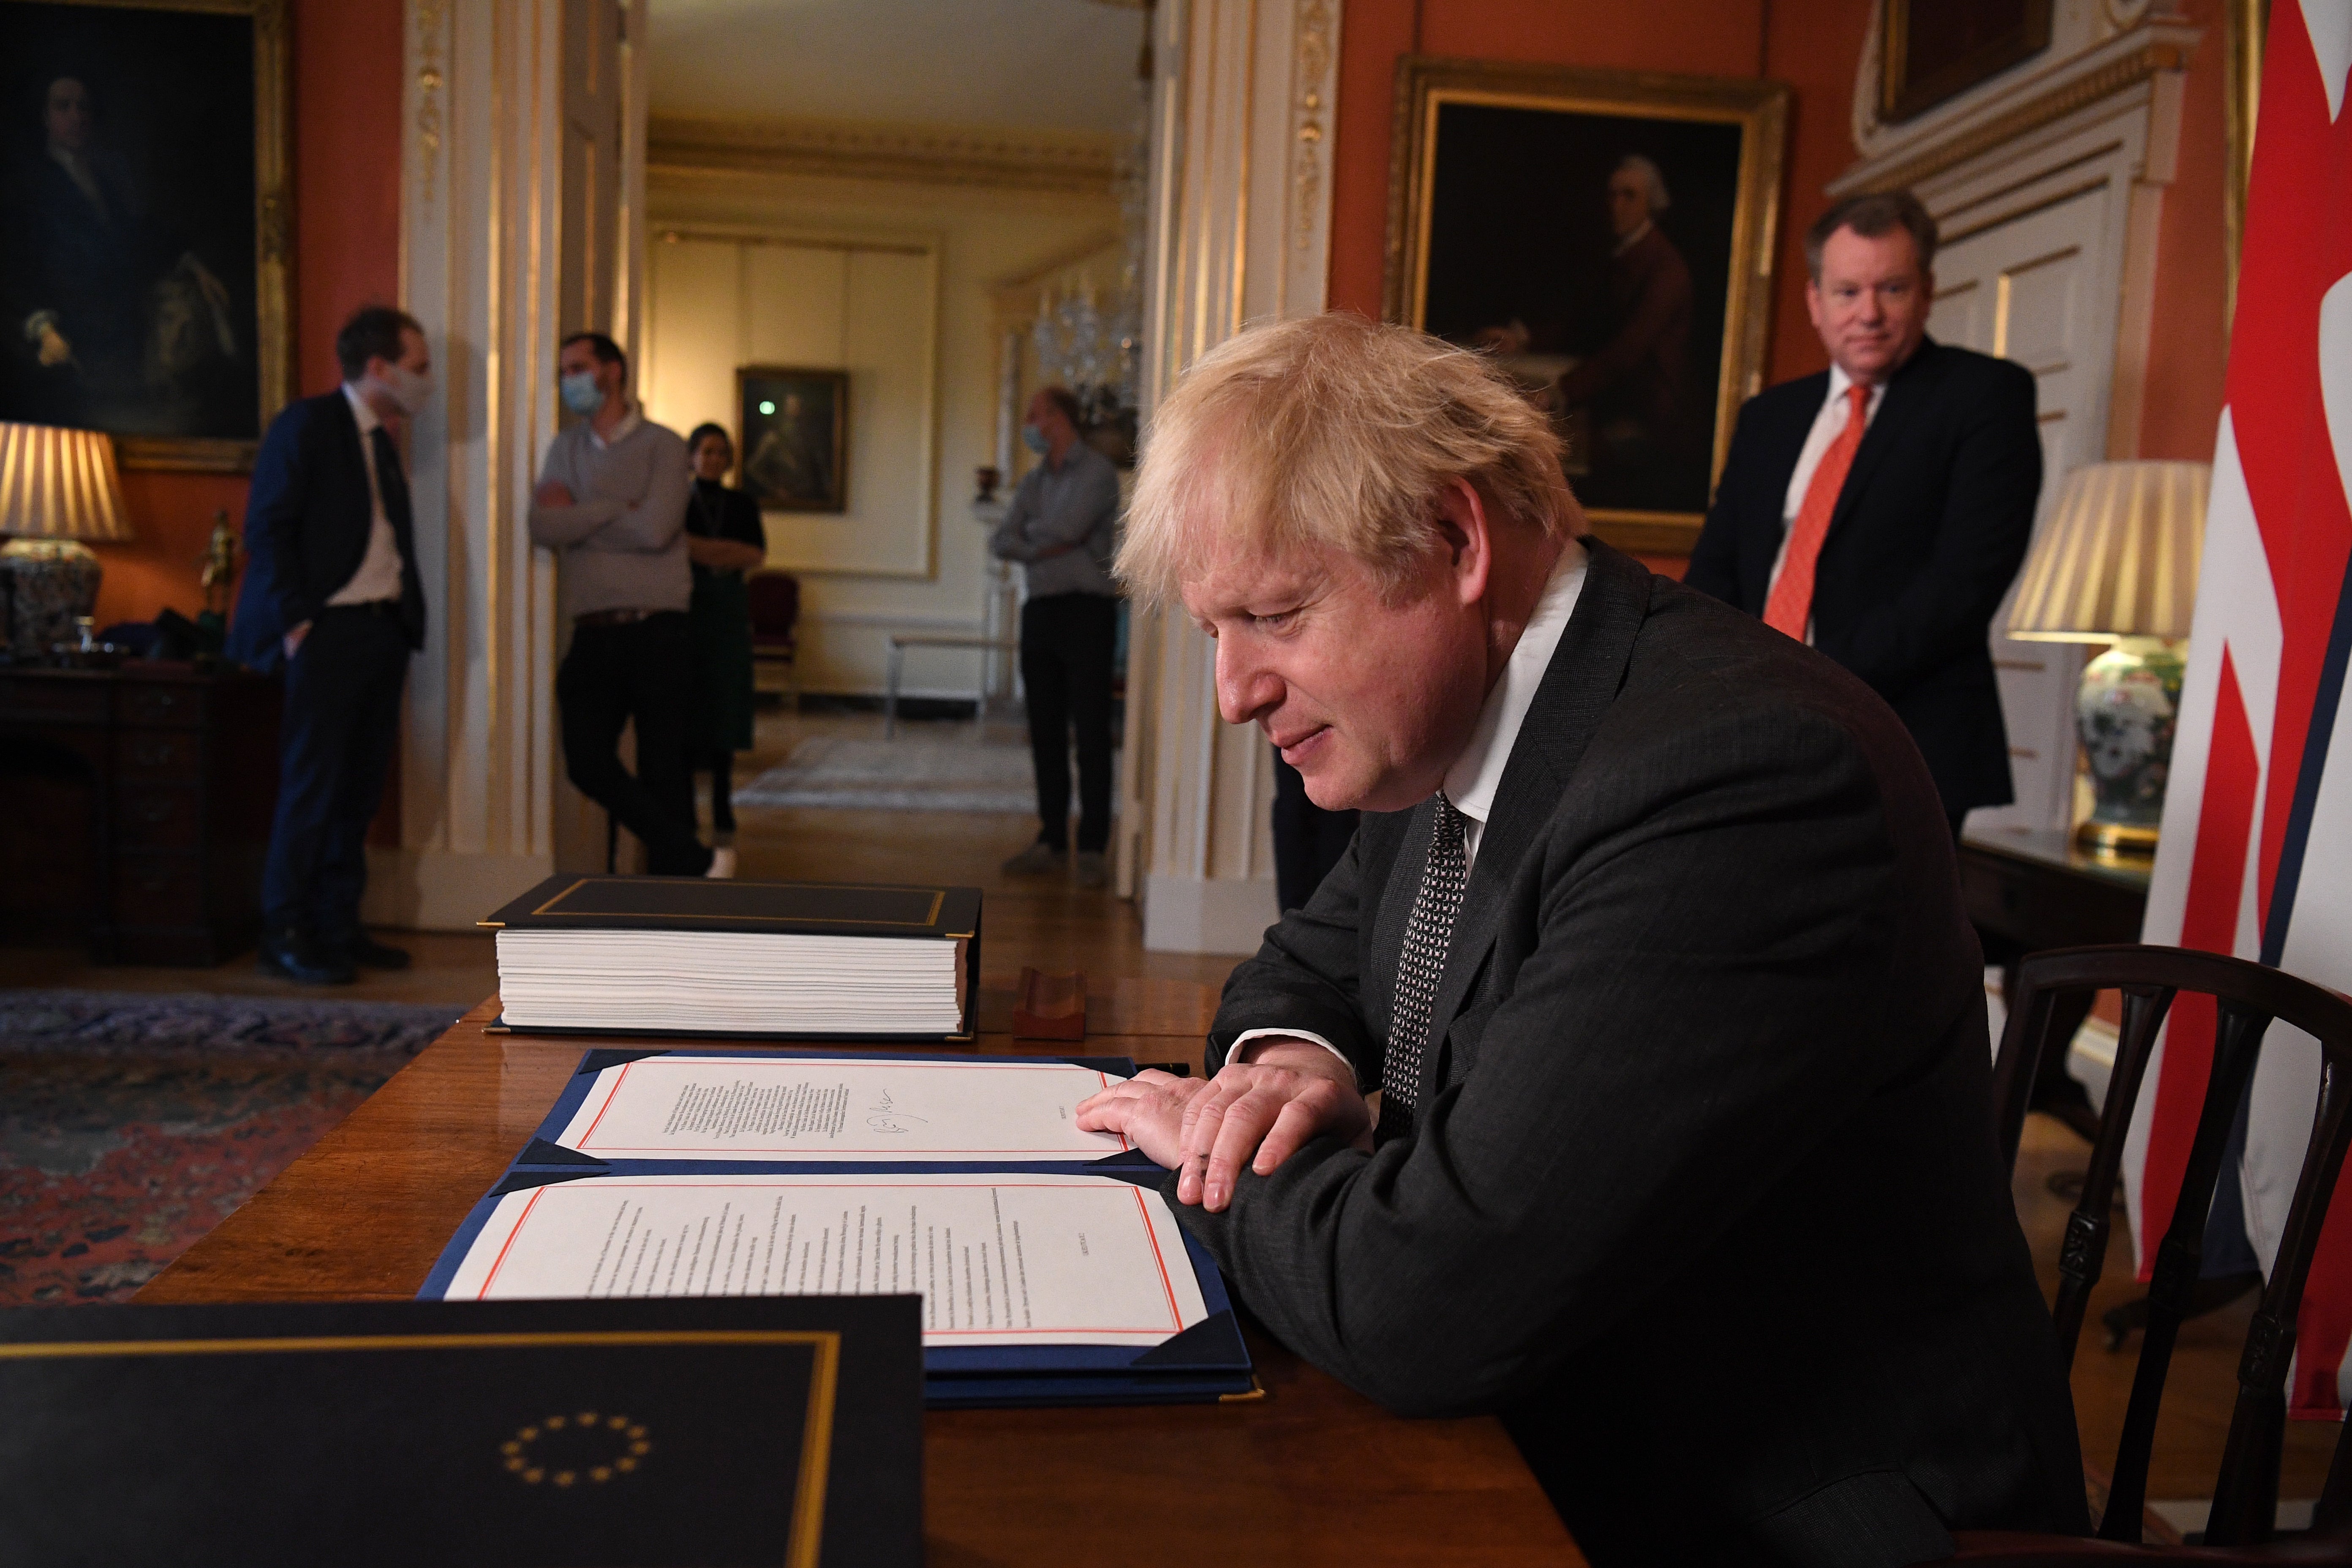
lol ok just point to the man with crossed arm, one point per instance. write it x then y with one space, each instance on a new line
1651 939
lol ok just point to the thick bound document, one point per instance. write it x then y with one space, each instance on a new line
693 957
1050 1270
502 1435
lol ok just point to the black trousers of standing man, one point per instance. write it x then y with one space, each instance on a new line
1067 644
639 672
337 732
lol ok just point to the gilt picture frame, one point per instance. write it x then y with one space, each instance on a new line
145 288
1608 236
795 451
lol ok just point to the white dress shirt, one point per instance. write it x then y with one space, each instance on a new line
1828 424
379 574
1473 777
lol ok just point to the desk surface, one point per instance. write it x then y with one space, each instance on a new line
1312 1474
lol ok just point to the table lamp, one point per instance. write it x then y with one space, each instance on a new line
57 489
2116 563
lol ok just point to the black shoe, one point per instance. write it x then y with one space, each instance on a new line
366 953
293 956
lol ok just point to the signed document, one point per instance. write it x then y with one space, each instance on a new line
998 1258
683 1106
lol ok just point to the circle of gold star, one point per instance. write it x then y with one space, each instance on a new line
627 1438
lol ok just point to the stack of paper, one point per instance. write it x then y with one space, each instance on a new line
728 983
691 956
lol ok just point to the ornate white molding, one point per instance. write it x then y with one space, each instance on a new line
1035 160
481 177
1240 222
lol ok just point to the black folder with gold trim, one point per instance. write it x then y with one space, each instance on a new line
696 957
585 1434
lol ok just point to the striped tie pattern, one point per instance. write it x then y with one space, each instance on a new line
1427 937
1790 606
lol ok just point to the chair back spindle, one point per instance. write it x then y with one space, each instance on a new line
2247 998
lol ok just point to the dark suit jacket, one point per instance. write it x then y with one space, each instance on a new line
1928 532
306 529
1704 1198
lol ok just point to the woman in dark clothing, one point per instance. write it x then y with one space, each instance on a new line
723 540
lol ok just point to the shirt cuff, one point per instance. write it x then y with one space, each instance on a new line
1234 1051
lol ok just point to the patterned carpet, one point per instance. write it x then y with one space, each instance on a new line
130 1124
913 772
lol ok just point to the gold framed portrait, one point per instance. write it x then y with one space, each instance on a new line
1608 237
144 277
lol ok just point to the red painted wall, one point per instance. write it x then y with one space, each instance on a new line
2190 348
346 112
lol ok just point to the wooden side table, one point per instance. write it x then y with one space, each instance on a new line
2029 888
134 807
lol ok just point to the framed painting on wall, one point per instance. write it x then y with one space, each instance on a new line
1606 234
1939 49
796 446
143 254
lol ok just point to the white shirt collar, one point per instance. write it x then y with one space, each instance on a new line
1477 773
1631 240
630 420
1840 382
361 411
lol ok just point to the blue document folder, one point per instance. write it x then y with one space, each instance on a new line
1204 1361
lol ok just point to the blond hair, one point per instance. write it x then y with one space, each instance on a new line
1333 431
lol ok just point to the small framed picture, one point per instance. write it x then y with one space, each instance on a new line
1605 236
794 454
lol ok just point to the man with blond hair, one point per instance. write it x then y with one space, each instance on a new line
1652 943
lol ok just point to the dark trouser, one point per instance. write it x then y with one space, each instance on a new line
1067 642
720 766
336 738
640 673
1307 840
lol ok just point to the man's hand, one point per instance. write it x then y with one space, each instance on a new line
555 492
1147 1108
294 638
1265 1111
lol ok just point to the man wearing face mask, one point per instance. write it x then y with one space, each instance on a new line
1061 527
331 593
611 501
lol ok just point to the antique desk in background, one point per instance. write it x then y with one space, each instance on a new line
1313 1473
134 809
2026 889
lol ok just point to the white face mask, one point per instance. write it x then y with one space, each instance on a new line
411 389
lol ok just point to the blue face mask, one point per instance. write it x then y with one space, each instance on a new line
580 393
1035 439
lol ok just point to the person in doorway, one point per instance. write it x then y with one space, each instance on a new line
1061 527
611 501
1879 509
724 540
332 593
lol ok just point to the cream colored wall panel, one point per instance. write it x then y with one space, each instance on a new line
693 323
792 304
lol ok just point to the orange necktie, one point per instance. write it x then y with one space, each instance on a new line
1791 603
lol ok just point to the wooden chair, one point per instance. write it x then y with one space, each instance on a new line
775 620
2248 996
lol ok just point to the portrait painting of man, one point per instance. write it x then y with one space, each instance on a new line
796 446
128 289
1597 234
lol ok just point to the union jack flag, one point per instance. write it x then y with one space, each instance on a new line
2256 854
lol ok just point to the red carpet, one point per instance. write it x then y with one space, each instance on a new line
130 1124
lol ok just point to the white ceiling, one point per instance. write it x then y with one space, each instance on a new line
1064 64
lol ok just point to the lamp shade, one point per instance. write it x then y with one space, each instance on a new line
59 484
2118 557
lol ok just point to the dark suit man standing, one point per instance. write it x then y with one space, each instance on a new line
331 592
1651 938
1880 510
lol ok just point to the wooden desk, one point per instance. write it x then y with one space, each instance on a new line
1312 1474
134 809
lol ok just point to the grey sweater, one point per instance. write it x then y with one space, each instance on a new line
1063 525
621 542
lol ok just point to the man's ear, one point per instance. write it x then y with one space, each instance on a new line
1469 542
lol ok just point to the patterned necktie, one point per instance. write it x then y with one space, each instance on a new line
1789 607
1427 937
